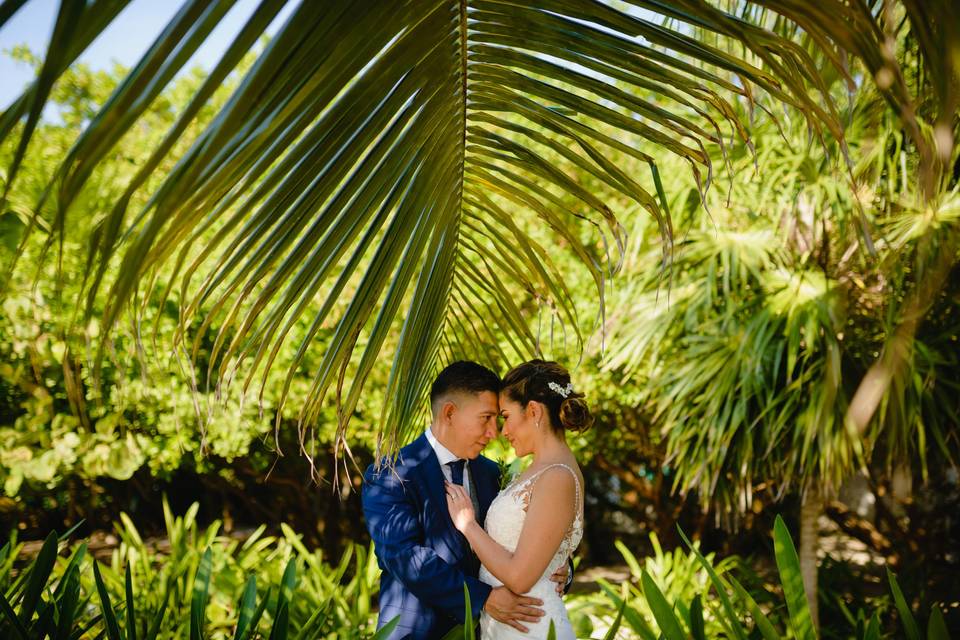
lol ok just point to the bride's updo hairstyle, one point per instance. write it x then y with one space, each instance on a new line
549 383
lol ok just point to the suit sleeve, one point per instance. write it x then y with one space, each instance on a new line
398 537
569 582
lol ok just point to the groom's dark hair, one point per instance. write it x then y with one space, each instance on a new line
463 376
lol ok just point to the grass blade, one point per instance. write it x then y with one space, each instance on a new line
906 616
873 628
937 626
384 632
110 618
198 603
789 565
612 631
281 622
457 633
131 609
82 631
154 629
67 604
467 614
248 605
631 615
763 623
696 619
9 613
255 620
732 623
39 574
281 618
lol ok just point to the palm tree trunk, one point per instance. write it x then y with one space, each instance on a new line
899 346
809 541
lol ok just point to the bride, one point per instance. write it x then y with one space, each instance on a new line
536 522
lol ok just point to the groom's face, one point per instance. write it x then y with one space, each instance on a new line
473 423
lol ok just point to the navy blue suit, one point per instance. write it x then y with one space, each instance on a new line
425 560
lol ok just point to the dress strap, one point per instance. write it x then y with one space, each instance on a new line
576 481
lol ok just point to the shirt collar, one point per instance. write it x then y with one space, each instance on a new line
444 455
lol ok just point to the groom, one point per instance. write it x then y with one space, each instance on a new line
425 560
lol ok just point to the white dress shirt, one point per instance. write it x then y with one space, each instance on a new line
444 455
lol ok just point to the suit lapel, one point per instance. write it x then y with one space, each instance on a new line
431 477
487 487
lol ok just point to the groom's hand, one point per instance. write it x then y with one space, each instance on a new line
507 607
560 578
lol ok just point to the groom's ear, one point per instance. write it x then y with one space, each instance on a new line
447 409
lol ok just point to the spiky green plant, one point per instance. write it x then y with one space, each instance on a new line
204 586
737 613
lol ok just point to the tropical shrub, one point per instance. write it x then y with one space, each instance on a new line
196 583
727 609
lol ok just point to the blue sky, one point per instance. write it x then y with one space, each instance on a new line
124 41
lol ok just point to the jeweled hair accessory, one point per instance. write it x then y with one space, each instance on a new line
561 391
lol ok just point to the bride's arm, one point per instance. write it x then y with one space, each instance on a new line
549 514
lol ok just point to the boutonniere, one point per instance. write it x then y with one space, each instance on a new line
508 470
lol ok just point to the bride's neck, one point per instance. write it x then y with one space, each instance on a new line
549 448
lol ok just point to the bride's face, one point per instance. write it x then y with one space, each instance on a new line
519 425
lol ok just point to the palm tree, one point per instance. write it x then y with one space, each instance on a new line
752 359
382 165
386 152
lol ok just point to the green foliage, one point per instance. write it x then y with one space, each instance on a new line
201 586
152 413
677 574
733 612
206 586
746 353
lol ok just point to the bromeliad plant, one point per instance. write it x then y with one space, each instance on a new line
203 586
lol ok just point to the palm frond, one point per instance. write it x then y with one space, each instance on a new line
401 169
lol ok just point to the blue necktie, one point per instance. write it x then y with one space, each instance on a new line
456 471
456 476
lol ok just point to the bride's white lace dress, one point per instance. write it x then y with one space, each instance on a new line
504 523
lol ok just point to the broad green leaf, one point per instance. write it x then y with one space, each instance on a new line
662 611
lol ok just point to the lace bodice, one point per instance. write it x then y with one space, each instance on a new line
508 511
504 523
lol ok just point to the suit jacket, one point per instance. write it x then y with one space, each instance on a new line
424 559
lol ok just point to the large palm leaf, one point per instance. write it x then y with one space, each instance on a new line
390 169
